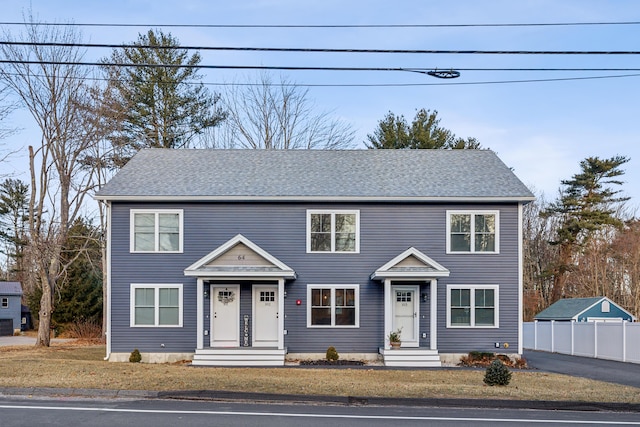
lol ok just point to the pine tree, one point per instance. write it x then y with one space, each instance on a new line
586 205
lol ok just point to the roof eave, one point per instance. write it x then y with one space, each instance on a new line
157 198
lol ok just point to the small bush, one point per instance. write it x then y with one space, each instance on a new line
135 357
332 354
497 374
84 329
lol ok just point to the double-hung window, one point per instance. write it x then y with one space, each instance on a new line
332 306
156 305
4 302
333 231
472 306
156 230
473 232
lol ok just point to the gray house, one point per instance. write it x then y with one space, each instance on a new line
10 308
594 309
253 257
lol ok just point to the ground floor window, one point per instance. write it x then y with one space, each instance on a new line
156 305
472 306
333 306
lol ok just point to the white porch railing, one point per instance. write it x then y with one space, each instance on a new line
603 340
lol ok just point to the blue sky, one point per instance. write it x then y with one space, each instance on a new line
540 129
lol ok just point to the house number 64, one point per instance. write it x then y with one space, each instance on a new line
240 257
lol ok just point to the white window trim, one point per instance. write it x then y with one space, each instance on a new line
473 225
333 213
472 288
156 287
4 302
132 214
333 288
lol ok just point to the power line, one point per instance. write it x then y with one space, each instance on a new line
422 70
329 26
328 50
347 85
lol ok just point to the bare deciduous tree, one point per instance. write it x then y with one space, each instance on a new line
52 89
277 116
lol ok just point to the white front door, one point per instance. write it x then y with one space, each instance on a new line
265 316
225 312
405 309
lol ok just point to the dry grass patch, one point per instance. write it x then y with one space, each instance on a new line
82 366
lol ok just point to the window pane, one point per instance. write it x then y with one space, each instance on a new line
345 223
321 242
485 243
485 316
169 316
321 316
339 297
321 223
485 223
345 242
461 223
169 229
169 297
145 297
484 298
144 316
350 297
460 242
144 232
345 316
460 316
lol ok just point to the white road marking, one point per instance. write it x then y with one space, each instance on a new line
294 415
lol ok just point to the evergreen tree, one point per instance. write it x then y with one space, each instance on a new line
424 132
155 97
14 214
587 204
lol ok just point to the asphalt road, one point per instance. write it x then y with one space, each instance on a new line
159 413
586 367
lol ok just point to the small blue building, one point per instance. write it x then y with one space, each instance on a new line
10 307
595 309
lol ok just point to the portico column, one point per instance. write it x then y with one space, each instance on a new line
388 321
200 314
280 314
433 321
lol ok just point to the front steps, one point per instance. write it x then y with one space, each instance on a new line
252 356
411 358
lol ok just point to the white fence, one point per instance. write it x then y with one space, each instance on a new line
604 340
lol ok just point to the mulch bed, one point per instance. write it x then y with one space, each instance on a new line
332 363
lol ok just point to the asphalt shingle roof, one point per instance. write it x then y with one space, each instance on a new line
315 174
10 288
566 309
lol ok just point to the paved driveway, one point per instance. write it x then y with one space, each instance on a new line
586 367
22 340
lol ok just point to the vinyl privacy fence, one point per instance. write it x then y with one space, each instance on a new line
604 340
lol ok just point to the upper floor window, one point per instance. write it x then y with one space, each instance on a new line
332 306
473 232
333 231
473 306
4 302
156 230
156 305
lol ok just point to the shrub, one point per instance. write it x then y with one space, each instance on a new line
332 354
84 329
135 357
497 374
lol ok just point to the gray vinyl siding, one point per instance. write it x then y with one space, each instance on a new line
386 230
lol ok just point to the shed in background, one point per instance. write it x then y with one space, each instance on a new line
595 309
10 308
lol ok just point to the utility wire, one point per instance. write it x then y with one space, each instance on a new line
328 26
421 70
327 50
